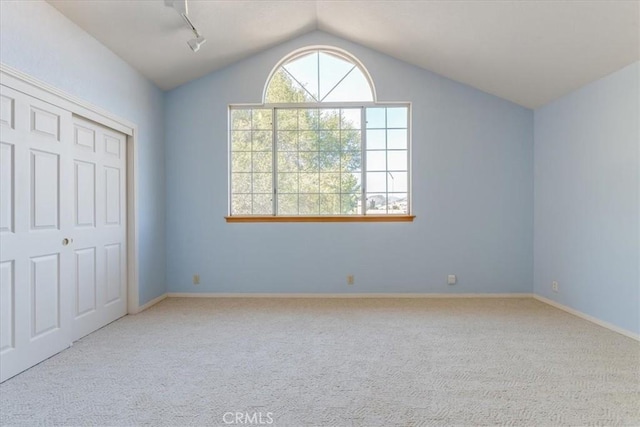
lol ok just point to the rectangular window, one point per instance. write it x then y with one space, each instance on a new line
302 161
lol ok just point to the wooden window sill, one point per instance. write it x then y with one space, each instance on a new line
320 218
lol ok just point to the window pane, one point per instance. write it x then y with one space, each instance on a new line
397 117
287 119
350 204
354 87
288 161
241 140
329 182
398 203
283 88
308 141
330 204
288 182
351 140
351 118
332 70
397 160
350 183
397 182
376 161
287 204
397 139
241 204
309 182
308 161
241 161
240 119
308 118
261 119
376 182
262 140
329 119
287 140
329 161
262 161
376 203
376 140
329 140
262 204
351 161
376 118
241 183
262 183
309 204
305 70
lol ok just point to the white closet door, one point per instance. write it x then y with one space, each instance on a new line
99 226
35 219
62 229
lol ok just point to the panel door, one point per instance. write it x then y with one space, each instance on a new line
99 226
35 220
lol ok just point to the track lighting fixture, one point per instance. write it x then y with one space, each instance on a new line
183 9
195 44
198 40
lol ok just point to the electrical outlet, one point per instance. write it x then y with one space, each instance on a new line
196 279
554 286
350 280
452 279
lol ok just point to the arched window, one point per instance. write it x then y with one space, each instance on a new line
320 148
319 75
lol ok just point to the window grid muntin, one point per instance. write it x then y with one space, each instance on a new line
363 138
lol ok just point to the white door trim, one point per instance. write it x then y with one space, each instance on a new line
21 82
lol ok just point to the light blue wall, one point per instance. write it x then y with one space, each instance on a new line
36 39
587 190
472 194
473 181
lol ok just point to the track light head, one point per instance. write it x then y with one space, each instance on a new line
195 44
182 8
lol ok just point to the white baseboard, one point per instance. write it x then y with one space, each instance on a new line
150 303
591 319
340 295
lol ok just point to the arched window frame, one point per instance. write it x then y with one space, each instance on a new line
333 50
364 106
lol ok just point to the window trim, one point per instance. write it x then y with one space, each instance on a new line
319 218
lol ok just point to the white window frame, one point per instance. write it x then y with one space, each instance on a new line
323 105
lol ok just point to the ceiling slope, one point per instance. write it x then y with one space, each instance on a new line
529 52
153 38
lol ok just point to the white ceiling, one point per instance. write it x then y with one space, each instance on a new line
529 52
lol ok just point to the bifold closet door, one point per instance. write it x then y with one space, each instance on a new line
99 226
62 229
35 231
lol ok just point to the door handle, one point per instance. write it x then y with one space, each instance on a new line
66 241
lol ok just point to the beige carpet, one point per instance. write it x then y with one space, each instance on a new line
337 362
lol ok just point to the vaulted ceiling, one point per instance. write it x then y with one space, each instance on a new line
529 52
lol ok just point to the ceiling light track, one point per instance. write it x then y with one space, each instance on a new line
183 9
